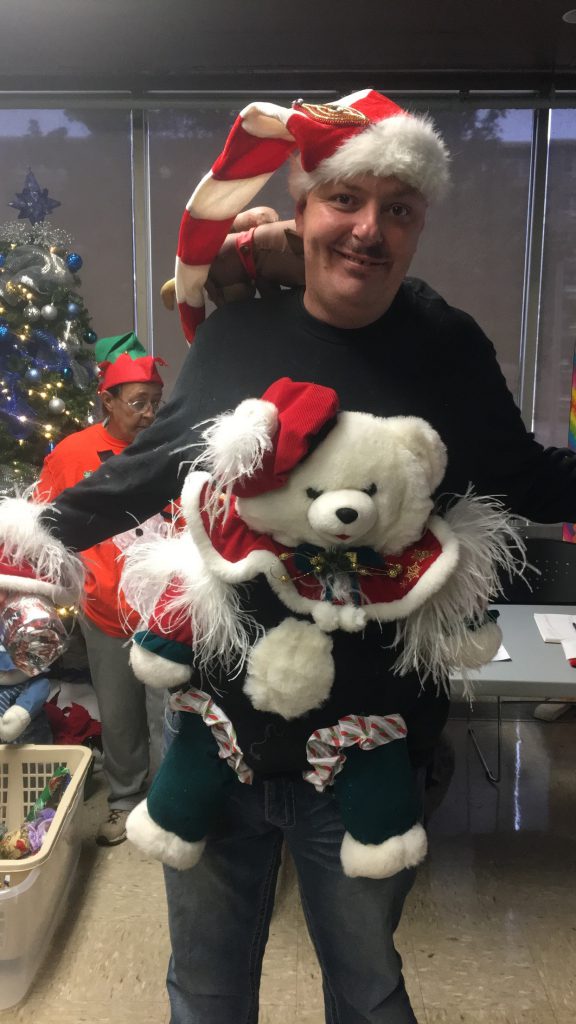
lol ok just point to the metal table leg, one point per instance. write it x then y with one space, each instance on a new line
493 777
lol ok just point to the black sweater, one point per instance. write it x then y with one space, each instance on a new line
422 358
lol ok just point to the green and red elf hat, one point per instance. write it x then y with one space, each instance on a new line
122 359
359 134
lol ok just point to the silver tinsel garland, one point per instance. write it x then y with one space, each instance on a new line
16 233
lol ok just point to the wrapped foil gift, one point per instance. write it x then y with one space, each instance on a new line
32 632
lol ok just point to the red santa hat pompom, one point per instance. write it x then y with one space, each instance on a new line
254 448
359 134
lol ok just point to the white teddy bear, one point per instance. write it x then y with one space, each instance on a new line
314 575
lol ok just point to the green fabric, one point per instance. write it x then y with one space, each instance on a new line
190 786
376 792
108 349
172 650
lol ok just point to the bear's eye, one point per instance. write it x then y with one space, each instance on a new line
371 491
311 493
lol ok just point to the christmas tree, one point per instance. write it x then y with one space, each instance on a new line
47 369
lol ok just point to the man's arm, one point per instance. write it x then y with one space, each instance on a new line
502 457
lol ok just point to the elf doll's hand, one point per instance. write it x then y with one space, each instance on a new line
13 723
252 218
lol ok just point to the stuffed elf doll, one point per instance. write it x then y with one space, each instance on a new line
311 552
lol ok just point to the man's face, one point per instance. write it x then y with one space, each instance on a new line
359 239
133 409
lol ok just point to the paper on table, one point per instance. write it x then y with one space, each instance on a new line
569 648
501 654
555 628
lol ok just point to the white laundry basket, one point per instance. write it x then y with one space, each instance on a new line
31 907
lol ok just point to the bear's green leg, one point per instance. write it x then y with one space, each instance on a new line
380 808
190 785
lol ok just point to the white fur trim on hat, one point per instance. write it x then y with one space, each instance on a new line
406 146
236 442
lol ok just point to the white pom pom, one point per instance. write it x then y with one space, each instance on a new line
236 442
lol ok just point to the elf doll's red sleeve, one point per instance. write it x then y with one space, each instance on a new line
161 654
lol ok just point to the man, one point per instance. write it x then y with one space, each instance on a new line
130 390
388 346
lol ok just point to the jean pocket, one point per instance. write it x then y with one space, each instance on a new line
171 727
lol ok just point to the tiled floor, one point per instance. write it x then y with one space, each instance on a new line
489 933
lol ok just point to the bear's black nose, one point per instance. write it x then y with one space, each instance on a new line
346 515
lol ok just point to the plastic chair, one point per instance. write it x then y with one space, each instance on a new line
549 579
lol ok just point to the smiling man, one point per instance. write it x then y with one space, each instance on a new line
364 173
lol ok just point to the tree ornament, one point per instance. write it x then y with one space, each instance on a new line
33 202
2 259
73 261
31 313
32 373
57 406
49 311
90 337
73 309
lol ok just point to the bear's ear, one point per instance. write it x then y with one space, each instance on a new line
424 443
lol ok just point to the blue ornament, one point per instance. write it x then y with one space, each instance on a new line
73 261
32 373
2 259
4 330
44 337
73 309
33 202
90 337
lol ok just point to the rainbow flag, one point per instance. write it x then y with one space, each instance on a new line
569 529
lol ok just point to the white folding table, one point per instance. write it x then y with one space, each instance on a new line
536 669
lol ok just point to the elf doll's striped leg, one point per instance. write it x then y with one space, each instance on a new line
380 808
185 798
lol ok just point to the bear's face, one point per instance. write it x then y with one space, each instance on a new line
368 483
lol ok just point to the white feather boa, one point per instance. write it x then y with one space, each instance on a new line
24 539
222 632
489 545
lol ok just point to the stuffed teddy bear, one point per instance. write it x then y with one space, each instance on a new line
313 576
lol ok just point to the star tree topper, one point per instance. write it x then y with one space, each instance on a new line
33 202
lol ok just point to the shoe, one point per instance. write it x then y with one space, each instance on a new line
550 711
112 831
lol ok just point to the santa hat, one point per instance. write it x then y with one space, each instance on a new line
359 134
122 360
32 561
253 449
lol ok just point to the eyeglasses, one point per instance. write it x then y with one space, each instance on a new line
143 404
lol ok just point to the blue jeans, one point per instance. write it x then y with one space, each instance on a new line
219 912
